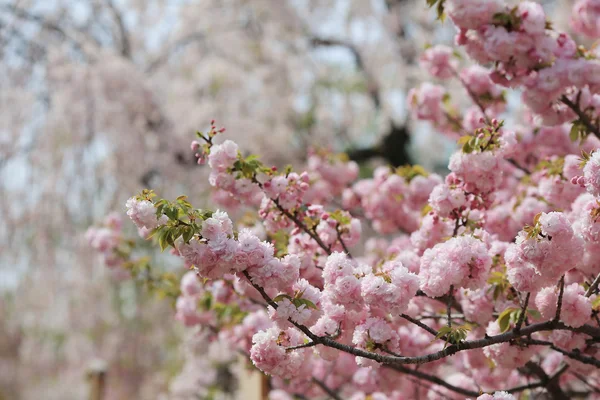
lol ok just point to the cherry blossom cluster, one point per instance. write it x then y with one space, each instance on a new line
487 278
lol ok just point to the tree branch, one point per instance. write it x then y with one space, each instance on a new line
582 115
123 34
560 297
326 389
523 312
593 286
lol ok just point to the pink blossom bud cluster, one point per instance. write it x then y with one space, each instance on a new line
391 201
543 254
527 52
187 303
329 175
586 18
576 308
143 214
461 261
106 239
439 61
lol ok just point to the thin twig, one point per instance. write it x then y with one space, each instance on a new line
326 389
301 346
448 307
523 312
593 286
302 226
339 236
420 324
582 115
124 35
575 355
432 379
518 166
560 298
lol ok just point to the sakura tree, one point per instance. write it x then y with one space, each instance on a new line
482 284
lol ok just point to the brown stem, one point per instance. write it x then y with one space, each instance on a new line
523 312
582 115
421 325
339 236
575 355
448 307
593 286
560 298
326 389
302 226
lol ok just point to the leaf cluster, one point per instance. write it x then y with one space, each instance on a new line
453 335
511 315
483 139
409 172
296 300
439 8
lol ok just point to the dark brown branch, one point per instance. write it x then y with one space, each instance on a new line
523 312
575 355
421 325
583 117
433 379
473 97
551 384
593 287
302 226
261 291
301 346
449 307
585 381
339 236
326 389
560 298
518 166
123 34
444 299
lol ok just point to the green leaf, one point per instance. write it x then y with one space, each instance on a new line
467 148
306 302
172 213
341 217
574 133
441 15
188 234
280 297
463 140
504 319
443 331
162 242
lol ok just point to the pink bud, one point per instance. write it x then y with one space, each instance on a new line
195 145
